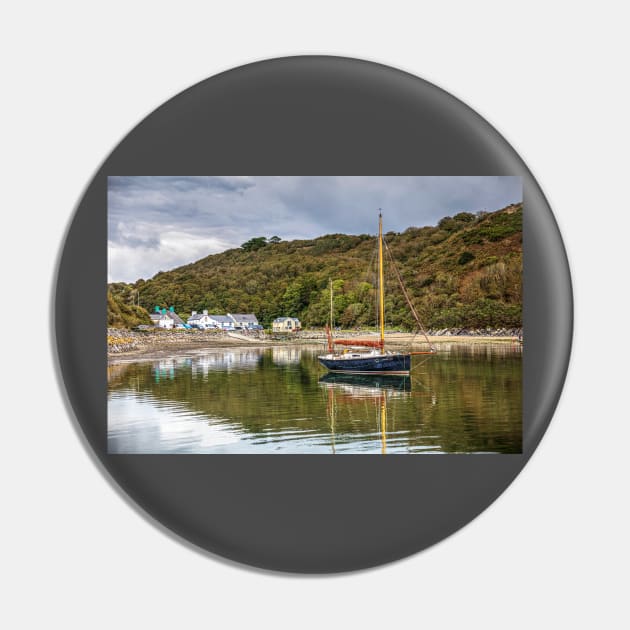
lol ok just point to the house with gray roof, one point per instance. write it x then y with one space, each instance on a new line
178 322
163 318
204 320
199 320
286 324
244 320
222 321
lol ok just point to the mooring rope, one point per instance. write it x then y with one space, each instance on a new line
407 298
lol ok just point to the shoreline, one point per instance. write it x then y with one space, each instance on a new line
125 346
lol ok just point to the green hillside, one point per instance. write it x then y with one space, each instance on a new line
120 312
464 272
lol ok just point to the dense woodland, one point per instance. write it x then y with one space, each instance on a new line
464 272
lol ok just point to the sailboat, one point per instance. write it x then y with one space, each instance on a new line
378 360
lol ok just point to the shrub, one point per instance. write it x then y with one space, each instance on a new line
464 217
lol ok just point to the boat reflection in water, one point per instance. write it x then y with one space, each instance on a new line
368 384
363 389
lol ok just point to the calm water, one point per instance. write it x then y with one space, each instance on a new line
466 399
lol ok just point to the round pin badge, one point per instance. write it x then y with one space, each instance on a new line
313 314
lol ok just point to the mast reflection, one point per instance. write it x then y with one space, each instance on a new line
362 389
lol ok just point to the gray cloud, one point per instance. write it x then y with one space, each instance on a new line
177 183
156 223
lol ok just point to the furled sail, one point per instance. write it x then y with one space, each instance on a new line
368 343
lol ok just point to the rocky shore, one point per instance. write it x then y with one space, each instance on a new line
130 343
436 332
126 341
476 332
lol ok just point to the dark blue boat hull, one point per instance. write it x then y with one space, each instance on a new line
388 364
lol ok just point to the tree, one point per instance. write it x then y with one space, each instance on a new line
254 243
297 295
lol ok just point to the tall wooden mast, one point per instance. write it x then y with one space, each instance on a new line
329 328
381 301
331 302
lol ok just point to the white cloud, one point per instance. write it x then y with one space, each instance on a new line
128 263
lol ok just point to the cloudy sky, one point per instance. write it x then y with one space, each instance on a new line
157 223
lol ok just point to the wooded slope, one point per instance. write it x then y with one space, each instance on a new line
464 272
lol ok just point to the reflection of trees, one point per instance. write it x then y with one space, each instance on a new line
454 402
116 374
488 394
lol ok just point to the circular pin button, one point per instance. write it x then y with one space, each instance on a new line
249 379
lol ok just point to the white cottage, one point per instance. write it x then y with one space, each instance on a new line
160 319
199 320
163 318
244 320
221 321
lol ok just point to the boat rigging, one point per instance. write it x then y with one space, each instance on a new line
378 360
